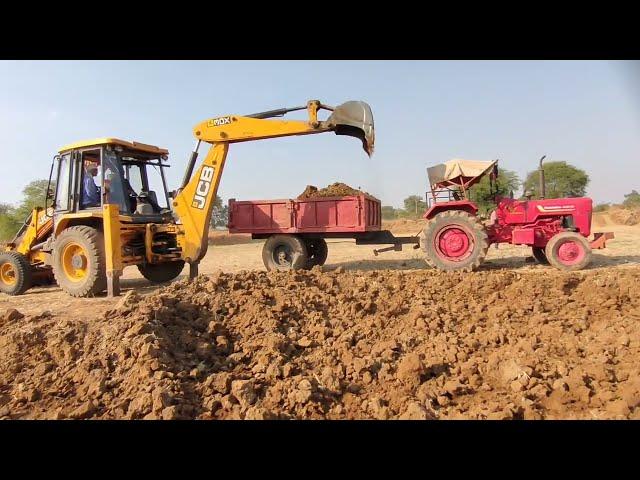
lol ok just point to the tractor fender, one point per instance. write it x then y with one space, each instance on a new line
464 205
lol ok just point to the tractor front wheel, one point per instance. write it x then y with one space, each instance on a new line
568 251
454 240
79 261
15 273
161 272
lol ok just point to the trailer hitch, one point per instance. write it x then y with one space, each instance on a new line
397 247
600 239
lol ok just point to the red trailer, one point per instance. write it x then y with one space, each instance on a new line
296 229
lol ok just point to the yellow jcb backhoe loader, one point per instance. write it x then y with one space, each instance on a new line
84 242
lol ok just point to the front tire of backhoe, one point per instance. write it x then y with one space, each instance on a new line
161 272
15 273
79 261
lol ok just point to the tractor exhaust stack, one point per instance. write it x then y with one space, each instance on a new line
542 187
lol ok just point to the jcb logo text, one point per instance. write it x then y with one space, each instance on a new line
204 184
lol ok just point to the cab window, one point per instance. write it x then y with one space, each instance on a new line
62 182
113 182
90 191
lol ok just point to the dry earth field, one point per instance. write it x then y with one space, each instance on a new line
368 337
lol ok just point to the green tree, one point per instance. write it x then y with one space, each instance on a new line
220 213
11 219
9 224
414 206
601 207
389 213
561 180
33 196
632 199
482 194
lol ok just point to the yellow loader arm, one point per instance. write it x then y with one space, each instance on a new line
35 229
193 202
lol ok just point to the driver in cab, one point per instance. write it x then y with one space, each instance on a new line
90 191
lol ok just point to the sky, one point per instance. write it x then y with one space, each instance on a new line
426 112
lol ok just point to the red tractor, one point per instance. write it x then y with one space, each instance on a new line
455 239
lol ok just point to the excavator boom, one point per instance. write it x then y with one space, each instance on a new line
352 118
193 203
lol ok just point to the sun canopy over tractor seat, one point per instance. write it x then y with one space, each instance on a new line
458 172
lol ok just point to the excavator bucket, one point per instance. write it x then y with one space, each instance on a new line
354 119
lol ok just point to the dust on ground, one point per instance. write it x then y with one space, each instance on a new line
617 215
223 237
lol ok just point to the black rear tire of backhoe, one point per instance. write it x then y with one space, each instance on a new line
15 269
284 252
161 272
317 250
89 245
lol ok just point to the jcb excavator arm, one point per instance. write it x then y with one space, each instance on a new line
193 203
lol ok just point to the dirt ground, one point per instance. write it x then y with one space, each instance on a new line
370 337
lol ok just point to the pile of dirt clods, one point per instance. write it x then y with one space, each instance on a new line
338 345
334 190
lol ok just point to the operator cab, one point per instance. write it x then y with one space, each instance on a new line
131 175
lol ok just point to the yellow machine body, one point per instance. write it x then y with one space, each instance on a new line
95 244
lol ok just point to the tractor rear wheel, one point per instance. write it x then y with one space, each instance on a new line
539 255
79 261
317 251
568 251
284 252
454 240
15 273
161 272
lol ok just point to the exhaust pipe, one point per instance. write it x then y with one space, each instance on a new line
542 188
354 119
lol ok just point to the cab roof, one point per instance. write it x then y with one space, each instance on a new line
141 147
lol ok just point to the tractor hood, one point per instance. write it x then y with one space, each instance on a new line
354 118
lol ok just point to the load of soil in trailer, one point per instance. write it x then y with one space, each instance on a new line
336 189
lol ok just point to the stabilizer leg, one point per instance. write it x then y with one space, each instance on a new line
193 270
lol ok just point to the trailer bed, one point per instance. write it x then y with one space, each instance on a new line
322 215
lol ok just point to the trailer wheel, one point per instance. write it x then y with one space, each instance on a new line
539 255
79 261
454 240
284 252
317 251
568 251
15 273
161 272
